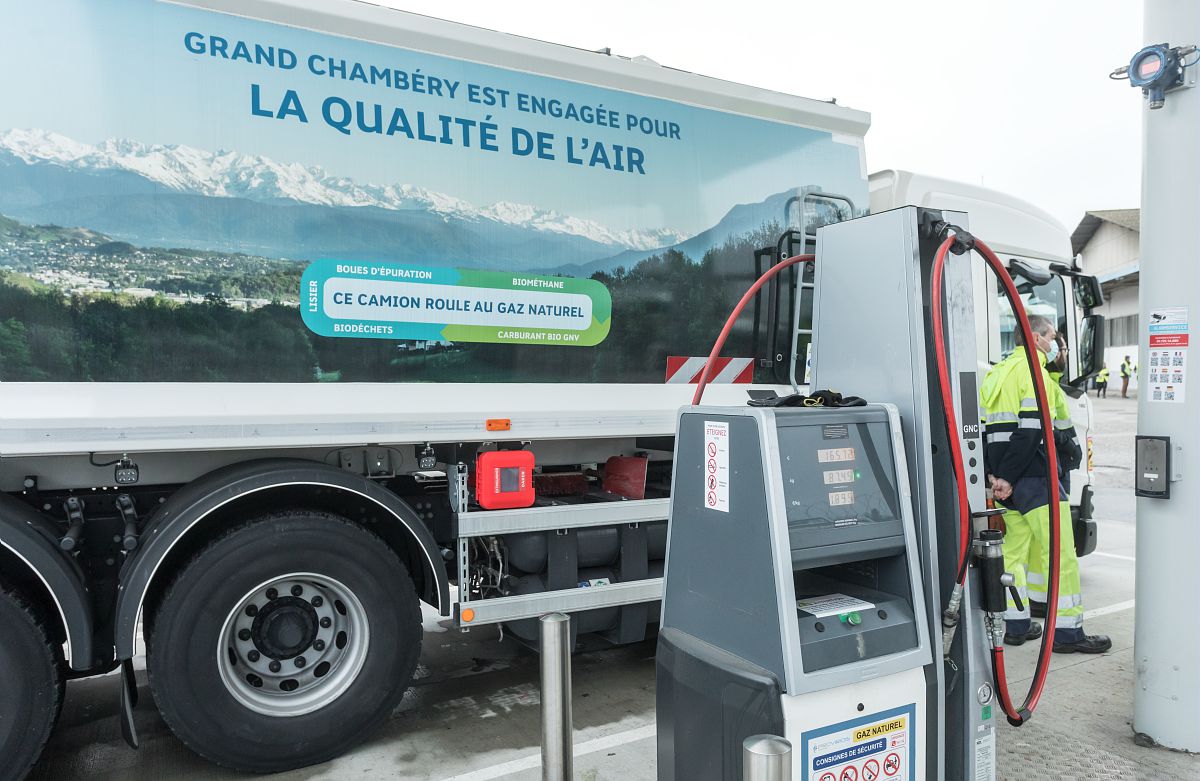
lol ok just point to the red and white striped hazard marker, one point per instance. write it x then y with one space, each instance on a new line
683 370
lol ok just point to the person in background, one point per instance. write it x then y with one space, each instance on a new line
1102 382
1015 455
1126 372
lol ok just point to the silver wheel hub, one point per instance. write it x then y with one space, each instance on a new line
293 645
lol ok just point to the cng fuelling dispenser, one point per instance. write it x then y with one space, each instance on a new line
814 554
811 623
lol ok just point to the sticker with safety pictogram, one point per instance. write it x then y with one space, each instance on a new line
716 465
874 747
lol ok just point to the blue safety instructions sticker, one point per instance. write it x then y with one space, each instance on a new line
877 747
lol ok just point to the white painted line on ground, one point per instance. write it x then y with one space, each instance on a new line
616 739
499 771
1113 556
535 761
1109 609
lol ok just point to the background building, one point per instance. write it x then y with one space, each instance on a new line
1109 247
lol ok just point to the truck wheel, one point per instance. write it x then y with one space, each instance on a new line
32 691
284 642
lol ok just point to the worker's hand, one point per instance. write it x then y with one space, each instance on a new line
1001 488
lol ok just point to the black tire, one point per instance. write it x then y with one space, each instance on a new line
182 653
32 691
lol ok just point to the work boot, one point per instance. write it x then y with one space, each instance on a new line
1035 631
1037 609
1088 644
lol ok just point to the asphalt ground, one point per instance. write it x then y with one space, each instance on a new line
473 713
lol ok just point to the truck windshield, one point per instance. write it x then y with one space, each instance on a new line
1048 300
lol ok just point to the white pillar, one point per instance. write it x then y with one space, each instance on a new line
1167 635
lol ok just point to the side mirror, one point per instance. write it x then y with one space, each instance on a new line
1035 274
1088 294
1091 348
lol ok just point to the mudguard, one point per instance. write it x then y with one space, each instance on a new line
190 504
33 539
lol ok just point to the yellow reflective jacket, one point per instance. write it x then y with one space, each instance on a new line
1013 445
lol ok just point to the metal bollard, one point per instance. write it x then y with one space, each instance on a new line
766 758
557 730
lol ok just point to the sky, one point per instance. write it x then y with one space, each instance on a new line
1012 95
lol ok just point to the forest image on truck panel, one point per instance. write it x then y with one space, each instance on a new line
166 240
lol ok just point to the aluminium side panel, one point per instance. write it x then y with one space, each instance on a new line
264 225
257 199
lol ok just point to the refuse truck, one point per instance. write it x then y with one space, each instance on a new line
313 314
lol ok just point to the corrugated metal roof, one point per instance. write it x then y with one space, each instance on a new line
1130 219
1119 273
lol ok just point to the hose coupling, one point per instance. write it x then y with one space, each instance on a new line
940 230
950 618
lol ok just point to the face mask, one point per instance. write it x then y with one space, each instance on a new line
1052 352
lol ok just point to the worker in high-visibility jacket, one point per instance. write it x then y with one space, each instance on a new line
1126 373
1070 456
1102 382
1015 455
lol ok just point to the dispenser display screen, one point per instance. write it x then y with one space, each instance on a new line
831 454
837 475
841 498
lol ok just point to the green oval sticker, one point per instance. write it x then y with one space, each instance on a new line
398 301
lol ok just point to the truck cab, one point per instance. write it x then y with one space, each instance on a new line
1037 251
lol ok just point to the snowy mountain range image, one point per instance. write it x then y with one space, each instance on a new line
180 196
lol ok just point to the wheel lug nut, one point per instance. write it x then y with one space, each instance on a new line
326 622
297 590
318 645
317 601
272 594
254 656
275 667
252 610
244 634
301 661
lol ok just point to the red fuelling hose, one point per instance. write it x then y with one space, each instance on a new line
1016 716
706 375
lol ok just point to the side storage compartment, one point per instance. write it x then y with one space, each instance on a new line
589 558
599 559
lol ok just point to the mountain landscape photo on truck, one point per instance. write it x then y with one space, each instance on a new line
223 199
